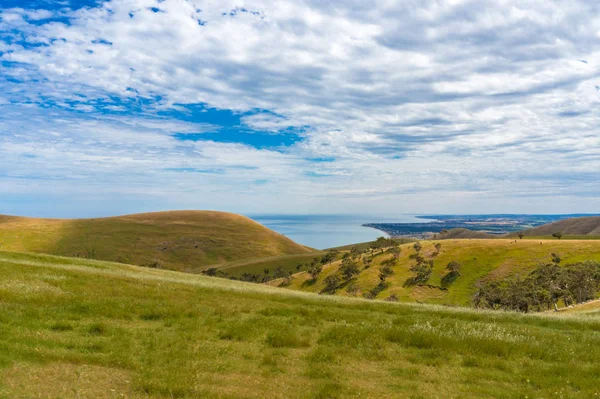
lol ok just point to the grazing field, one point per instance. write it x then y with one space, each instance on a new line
177 240
480 260
89 329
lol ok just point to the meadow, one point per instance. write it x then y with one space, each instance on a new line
108 330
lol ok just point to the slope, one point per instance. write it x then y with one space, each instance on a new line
583 226
178 240
462 233
89 329
480 259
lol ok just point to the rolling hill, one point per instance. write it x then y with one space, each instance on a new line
462 233
583 226
480 259
105 330
177 240
573 228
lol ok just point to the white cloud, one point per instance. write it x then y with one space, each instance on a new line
480 100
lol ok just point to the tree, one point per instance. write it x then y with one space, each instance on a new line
329 257
438 246
521 235
395 252
454 267
283 274
314 271
349 268
355 252
210 272
331 283
381 243
555 258
582 280
557 235
384 273
353 289
417 247
549 281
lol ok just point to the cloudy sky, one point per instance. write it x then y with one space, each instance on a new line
415 106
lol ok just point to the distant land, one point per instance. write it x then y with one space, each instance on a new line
495 224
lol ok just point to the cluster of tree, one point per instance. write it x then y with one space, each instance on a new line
385 271
381 243
543 288
314 268
422 268
279 273
350 267
453 273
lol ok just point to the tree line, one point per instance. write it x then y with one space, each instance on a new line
543 288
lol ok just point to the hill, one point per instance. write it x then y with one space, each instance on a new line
462 233
480 260
178 240
90 329
583 226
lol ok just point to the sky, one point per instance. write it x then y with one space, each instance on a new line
300 107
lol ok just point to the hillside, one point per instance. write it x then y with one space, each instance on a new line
462 234
583 226
178 240
89 329
481 260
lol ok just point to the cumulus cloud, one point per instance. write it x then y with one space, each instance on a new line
482 103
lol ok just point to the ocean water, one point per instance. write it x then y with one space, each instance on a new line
326 231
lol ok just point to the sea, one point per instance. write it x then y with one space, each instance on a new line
327 231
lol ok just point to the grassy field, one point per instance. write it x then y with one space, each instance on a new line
481 260
104 330
179 240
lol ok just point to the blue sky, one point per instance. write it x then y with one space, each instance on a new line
111 107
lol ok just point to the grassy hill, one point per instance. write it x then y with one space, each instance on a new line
573 228
583 226
178 240
89 329
462 234
481 260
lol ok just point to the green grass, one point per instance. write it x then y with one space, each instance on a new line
481 260
89 329
179 240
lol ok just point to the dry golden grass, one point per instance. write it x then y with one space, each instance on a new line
177 240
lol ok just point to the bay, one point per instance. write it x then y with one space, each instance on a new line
327 231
